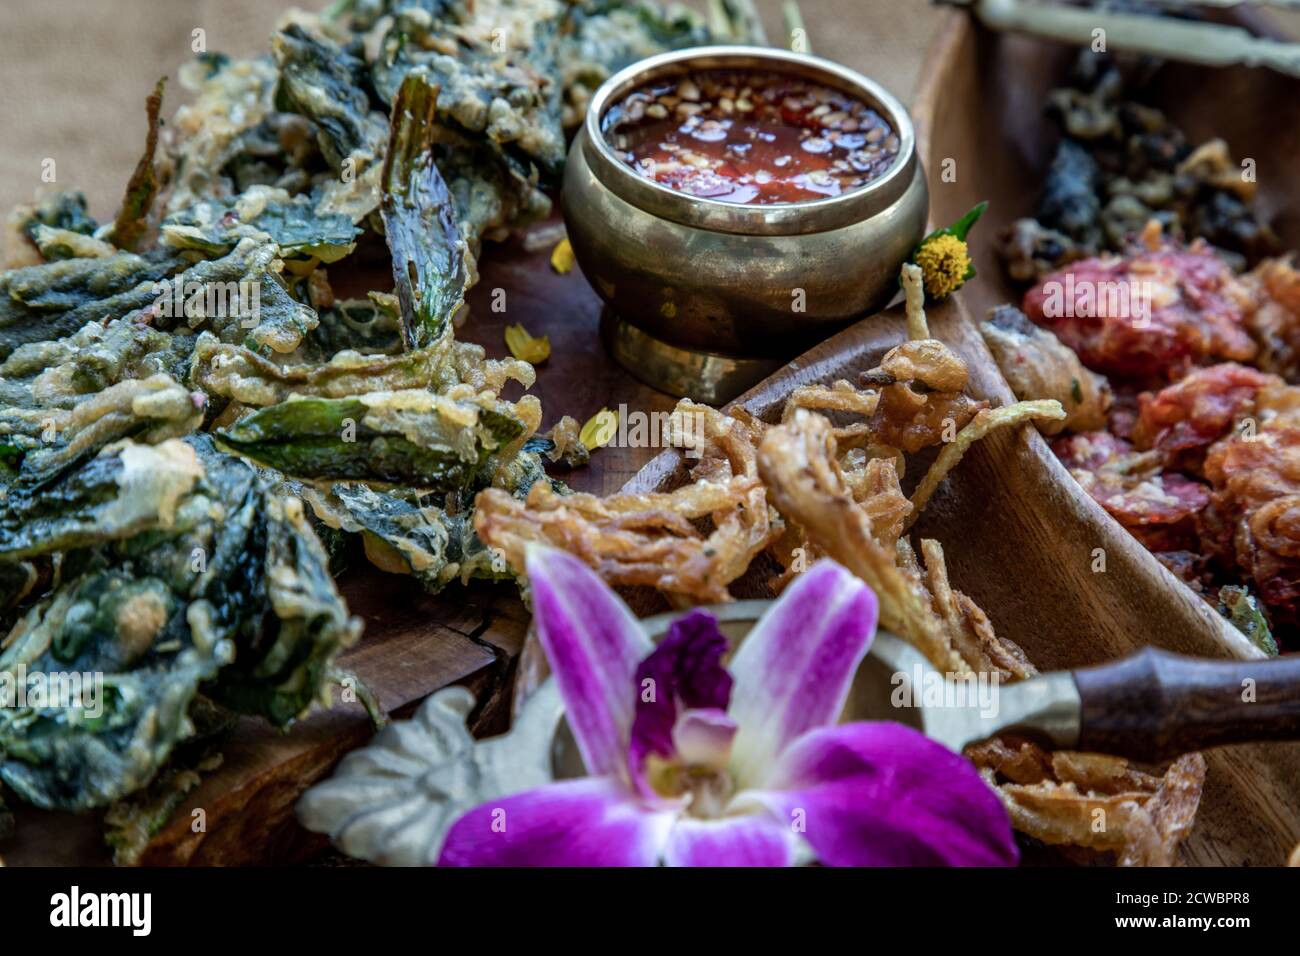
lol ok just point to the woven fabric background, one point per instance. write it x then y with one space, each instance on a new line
74 73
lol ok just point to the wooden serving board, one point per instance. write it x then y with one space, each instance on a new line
1020 539
414 643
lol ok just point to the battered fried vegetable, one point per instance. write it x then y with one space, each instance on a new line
123 491
371 327
209 567
1061 799
264 213
984 422
327 84
240 298
211 136
133 218
1037 366
148 410
61 214
235 372
652 539
493 64
603 36
1240 607
46 302
406 532
57 373
137 537
409 437
429 270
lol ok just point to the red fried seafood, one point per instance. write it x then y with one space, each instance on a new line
1275 319
1254 513
1149 317
1184 419
1158 508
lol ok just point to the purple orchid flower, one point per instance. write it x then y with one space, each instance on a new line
695 765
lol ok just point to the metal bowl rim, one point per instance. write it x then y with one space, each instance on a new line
796 218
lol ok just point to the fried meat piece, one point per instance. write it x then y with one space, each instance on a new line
1158 508
1182 420
1149 317
1253 521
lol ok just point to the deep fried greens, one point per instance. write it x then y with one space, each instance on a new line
191 562
46 302
429 269
293 223
411 437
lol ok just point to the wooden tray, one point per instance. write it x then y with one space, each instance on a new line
1018 531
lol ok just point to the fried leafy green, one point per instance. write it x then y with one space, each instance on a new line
493 64
133 219
293 223
149 410
428 255
410 436
45 302
407 532
185 405
220 587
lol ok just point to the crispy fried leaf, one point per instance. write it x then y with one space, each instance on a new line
133 218
293 223
411 437
428 255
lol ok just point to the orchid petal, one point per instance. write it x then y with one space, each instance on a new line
794 670
755 839
593 644
592 821
882 794
686 669
702 738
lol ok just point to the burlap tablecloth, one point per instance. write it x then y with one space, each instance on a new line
74 73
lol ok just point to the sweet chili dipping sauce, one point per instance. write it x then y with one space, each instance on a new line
751 137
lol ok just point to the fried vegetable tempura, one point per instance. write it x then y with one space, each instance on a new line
1094 801
1036 365
652 539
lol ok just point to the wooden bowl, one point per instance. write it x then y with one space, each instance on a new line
1019 533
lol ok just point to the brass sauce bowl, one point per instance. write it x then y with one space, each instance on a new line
709 294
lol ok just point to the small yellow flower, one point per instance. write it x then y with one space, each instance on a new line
944 262
524 346
562 257
600 429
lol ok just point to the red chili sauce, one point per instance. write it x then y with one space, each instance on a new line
750 137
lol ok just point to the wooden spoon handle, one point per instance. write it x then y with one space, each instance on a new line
1154 705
